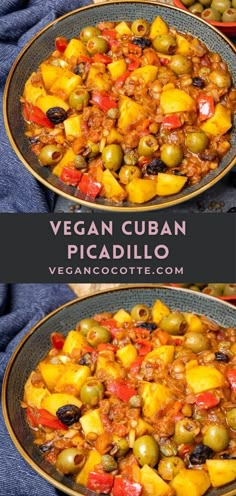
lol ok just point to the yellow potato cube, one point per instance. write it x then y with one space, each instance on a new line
123 28
111 368
127 355
158 27
117 68
141 190
155 397
33 396
66 83
93 459
31 92
72 126
153 484
219 123
50 73
74 340
49 101
66 159
143 427
169 184
91 422
164 353
221 471
191 482
194 322
183 45
175 100
111 187
74 376
51 372
204 377
159 310
114 137
130 113
75 48
122 316
147 73
57 400
98 79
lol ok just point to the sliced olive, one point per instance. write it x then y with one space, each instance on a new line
200 454
140 312
68 414
147 145
171 155
140 27
196 141
174 323
50 155
169 467
79 98
97 45
146 450
165 43
56 114
98 334
89 32
196 342
85 325
216 437
70 460
91 392
129 172
86 359
180 64
112 157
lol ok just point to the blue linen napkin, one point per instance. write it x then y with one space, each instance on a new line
21 306
19 21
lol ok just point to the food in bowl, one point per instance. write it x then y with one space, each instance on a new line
138 402
130 111
214 289
213 10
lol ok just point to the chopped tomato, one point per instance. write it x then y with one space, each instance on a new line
135 62
121 80
43 417
144 348
61 43
57 340
135 366
107 347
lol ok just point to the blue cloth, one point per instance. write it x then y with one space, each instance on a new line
21 306
19 21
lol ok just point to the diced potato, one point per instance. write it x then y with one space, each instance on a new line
219 123
164 353
51 372
153 484
159 310
93 459
169 184
175 100
191 482
66 159
49 101
74 339
74 376
194 322
91 422
72 126
123 28
147 73
122 316
75 48
33 396
31 92
141 190
158 27
111 187
221 471
111 368
130 113
117 68
127 355
191 364
204 377
155 397
97 79
114 137
183 45
66 83
143 427
50 73
57 400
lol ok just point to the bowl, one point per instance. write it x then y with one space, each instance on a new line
228 28
36 343
229 299
40 47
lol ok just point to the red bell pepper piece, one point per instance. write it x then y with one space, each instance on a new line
120 81
109 33
35 114
100 482
42 417
164 61
61 43
102 58
135 62
134 49
83 58
231 376
70 176
57 340
206 401
89 186
144 348
163 337
105 101
206 106
125 487
121 389
171 122
107 347
135 366
111 325
88 349
31 417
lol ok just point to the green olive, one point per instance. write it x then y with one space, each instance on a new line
196 342
188 3
89 32
91 392
147 145
169 467
196 141
219 286
205 3
131 157
97 45
98 334
86 324
180 64
171 155
229 15
112 157
230 290
193 287
79 98
173 323
50 155
216 437
80 162
140 27
70 460
231 418
211 291
220 78
165 43
93 149
122 447
211 15
108 463
234 4
140 313
129 172
185 431
146 450
196 8
220 5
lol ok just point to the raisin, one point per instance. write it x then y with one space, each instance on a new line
141 42
200 454
155 166
221 357
68 414
198 82
150 326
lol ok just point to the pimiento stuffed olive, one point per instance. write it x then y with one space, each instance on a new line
79 98
172 155
129 172
196 142
91 392
140 312
174 323
180 64
97 45
85 325
165 43
50 155
170 466
216 437
70 460
98 334
146 451
140 27
89 32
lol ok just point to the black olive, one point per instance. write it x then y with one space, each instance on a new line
86 360
227 456
197 81
200 454
68 414
56 115
141 42
155 166
232 210
221 357
79 69
150 326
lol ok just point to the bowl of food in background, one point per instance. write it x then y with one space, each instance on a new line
224 291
